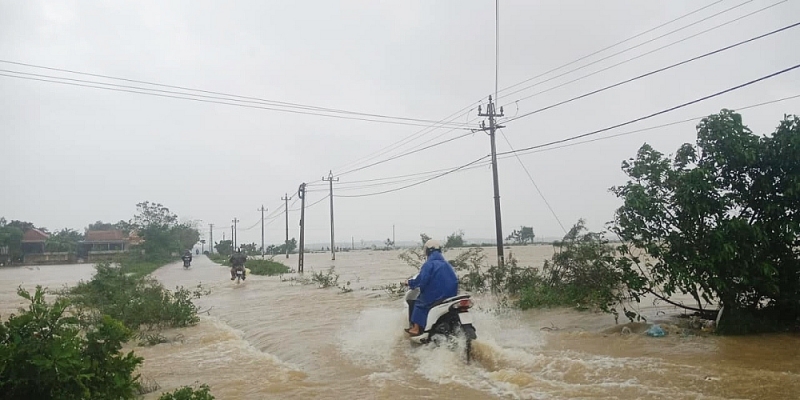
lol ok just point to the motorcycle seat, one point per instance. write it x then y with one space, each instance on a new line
450 299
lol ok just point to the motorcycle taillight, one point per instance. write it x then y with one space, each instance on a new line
464 303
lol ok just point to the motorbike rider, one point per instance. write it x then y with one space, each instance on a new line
237 261
436 281
187 256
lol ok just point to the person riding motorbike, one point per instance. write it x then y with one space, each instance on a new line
237 261
187 256
436 281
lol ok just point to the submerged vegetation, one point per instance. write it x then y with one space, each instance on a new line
267 267
718 221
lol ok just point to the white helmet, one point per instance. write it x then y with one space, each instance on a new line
432 245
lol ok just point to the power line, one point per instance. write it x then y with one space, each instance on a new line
410 138
392 146
772 75
150 92
631 48
228 97
612 46
657 71
406 154
418 183
683 121
639 56
534 183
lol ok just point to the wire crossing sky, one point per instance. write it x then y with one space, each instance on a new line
215 109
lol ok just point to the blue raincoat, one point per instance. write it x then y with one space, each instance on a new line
436 281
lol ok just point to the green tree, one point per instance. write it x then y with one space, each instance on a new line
47 354
65 240
224 247
162 234
456 239
721 221
186 235
292 244
522 236
11 239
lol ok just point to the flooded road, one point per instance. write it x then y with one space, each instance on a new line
268 338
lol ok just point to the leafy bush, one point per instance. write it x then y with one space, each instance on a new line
189 393
326 279
137 301
47 354
583 273
266 267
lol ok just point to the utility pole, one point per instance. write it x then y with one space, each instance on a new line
233 245
490 112
262 209
211 250
301 192
330 179
393 243
285 198
235 233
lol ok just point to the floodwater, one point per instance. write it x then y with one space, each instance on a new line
272 337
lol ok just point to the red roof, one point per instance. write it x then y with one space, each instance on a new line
34 236
105 236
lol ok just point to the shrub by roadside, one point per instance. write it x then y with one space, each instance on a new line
139 302
46 353
257 267
189 393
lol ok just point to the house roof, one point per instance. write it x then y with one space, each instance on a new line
105 236
34 236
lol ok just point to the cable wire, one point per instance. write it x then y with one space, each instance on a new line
765 77
228 97
418 183
534 184
652 40
683 121
641 55
653 72
54 79
612 46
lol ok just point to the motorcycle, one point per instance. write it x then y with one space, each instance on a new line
239 274
446 319
187 262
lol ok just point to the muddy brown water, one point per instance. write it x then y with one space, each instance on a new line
267 338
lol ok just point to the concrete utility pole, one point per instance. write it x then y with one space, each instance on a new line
330 179
235 232
490 112
262 209
211 250
285 198
301 192
393 242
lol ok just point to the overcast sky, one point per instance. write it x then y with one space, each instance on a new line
71 155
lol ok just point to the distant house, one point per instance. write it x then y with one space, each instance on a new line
33 241
33 246
103 245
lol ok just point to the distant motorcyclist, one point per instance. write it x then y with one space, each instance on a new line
237 261
187 256
436 281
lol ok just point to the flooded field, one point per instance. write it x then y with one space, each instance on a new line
268 338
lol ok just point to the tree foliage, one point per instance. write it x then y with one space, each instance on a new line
720 220
162 233
65 240
523 236
47 354
455 239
